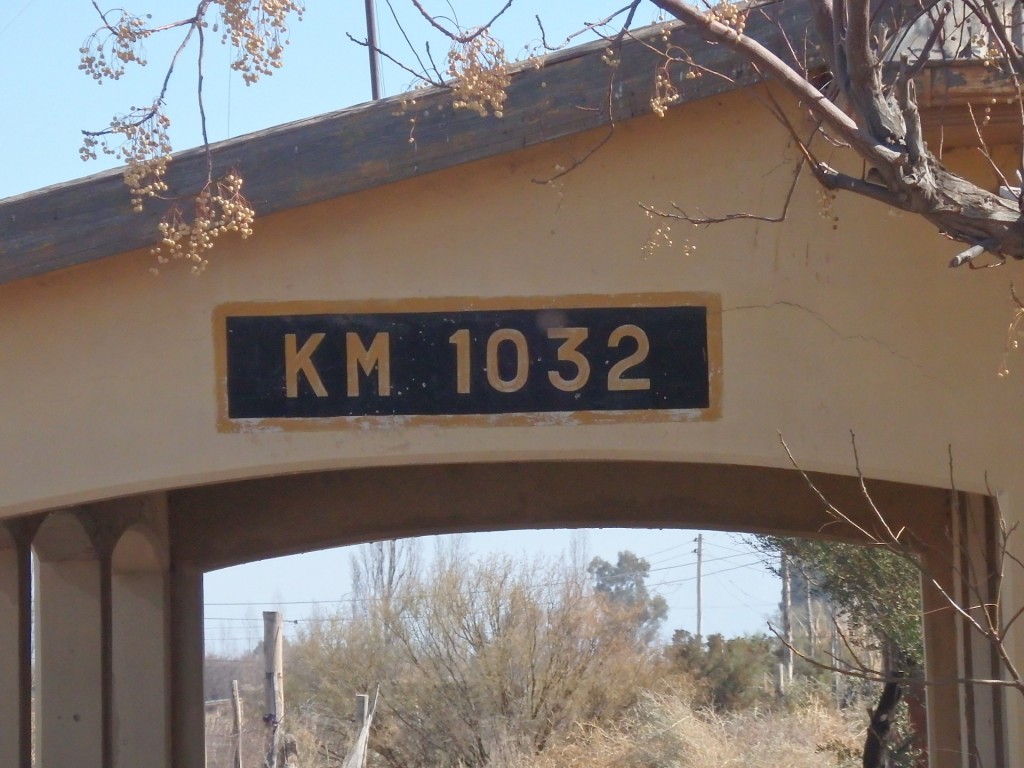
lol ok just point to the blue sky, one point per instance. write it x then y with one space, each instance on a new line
47 101
739 594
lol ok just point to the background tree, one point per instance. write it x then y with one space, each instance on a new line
728 673
624 585
875 594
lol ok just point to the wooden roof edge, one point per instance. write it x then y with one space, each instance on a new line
377 143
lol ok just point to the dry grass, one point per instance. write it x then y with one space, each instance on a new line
664 730
667 731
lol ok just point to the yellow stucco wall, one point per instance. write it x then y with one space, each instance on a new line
840 319
843 318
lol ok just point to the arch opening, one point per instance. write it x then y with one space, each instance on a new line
303 513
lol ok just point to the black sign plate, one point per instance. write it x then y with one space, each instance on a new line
325 365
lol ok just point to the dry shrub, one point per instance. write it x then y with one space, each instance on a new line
668 731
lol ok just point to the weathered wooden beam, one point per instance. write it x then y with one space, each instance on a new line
948 92
377 143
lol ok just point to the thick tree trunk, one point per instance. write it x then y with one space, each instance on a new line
875 745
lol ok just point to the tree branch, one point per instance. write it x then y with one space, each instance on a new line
798 86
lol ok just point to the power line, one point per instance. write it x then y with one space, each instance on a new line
667 549
713 573
695 562
17 16
289 602
746 551
254 621
354 600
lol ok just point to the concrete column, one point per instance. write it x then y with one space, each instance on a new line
69 692
16 640
966 722
942 663
188 731
984 710
140 673
10 715
1011 596
129 536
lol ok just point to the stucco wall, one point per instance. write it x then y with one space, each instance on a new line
843 318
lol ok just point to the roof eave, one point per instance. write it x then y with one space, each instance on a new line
369 145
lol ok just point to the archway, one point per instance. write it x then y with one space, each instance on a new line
287 514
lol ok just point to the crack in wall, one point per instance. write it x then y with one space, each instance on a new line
843 336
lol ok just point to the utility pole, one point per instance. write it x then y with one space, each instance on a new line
787 623
837 683
236 710
700 562
273 684
371 45
812 627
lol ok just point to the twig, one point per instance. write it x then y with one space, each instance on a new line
467 38
422 76
609 106
930 42
408 42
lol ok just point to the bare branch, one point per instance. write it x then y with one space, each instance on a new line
929 44
834 511
590 26
905 90
830 178
985 150
609 102
824 24
576 162
422 76
703 219
792 81
202 107
994 23
455 36
408 42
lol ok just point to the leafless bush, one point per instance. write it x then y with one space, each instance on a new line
476 660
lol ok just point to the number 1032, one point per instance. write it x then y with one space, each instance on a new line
512 344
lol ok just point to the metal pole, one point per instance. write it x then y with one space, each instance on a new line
700 562
371 43
787 622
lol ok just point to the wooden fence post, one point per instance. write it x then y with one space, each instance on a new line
236 709
273 688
